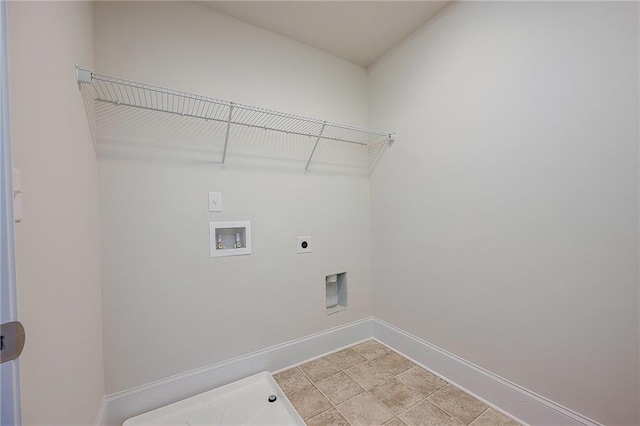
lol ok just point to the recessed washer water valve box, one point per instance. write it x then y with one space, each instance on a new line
229 238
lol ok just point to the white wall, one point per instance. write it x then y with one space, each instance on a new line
168 307
515 175
57 243
505 218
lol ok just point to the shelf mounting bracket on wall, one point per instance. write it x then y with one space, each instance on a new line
226 136
103 88
306 168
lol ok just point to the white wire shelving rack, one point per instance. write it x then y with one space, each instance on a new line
118 91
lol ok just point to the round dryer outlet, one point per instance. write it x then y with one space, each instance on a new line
304 244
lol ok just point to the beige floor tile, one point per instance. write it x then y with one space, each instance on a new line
427 414
309 402
328 418
492 418
459 404
394 363
339 387
368 375
396 396
367 383
421 381
346 358
371 349
319 369
364 410
292 381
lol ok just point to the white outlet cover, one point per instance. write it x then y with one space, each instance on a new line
305 248
215 201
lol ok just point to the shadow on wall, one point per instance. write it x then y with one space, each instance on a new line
144 135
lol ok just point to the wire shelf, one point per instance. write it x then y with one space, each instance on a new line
118 91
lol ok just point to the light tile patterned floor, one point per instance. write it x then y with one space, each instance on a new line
369 384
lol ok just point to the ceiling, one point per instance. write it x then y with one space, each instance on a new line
358 31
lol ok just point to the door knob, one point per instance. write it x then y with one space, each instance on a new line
11 341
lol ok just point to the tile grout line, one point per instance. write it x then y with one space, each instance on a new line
443 409
335 406
435 391
393 377
364 390
517 422
314 385
328 409
452 415
394 413
383 404
487 409
409 408
424 398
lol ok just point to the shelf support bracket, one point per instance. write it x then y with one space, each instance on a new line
306 168
82 75
392 138
226 137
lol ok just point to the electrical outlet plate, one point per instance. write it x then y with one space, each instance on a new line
305 244
215 201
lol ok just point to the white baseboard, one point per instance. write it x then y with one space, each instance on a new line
513 400
509 398
100 414
123 405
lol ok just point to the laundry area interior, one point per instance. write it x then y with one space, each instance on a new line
429 210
